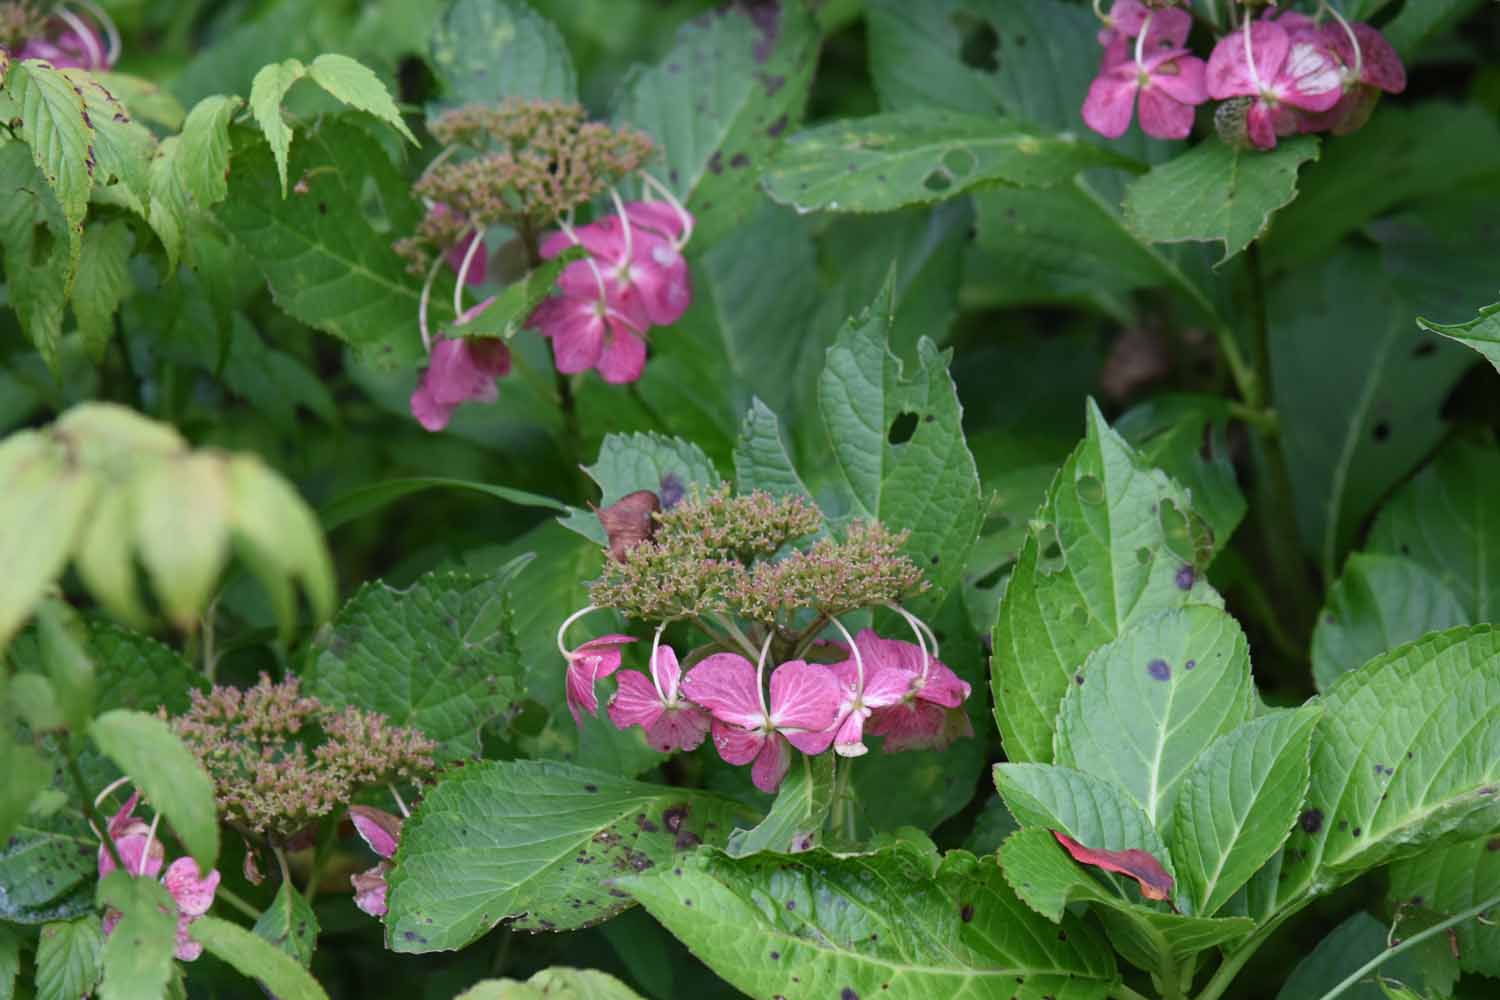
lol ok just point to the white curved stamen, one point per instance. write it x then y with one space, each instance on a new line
108 789
562 629
146 851
624 221
859 661
566 225
431 166
1260 88
422 301
1140 43
671 199
655 645
476 240
84 33
916 628
400 802
760 673
1099 13
1359 62
110 31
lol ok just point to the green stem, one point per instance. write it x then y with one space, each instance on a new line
224 895
286 871
325 849
1411 942
91 815
739 636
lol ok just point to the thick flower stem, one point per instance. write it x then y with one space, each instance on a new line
223 895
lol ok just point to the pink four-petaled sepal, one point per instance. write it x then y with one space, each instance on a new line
593 660
460 370
1169 83
656 705
1288 73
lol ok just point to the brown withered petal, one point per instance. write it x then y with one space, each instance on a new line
629 521
251 868
1137 864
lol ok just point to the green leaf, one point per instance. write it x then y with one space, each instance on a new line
10 962
1406 757
718 104
135 671
1415 24
327 264
102 283
267 91
356 85
1449 880
277 534
1187 438
68 667
1358 410
377 496
631 462
994 824
122 148
26 775
572 984
55 126
1215 191
439 656
487 50
1461 545
1236 806
533 843
1115 544
1348 947
795 822
203 158
67 959
1379 603
167 774
511 311
278 973
924 482
183 509
290 924
888 161
170 201
897 923
1482 334
137 956
36 242
761 461
1144 707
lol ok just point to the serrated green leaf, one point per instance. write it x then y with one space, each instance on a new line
135 671
1482 333
267 91
356 85
55 126
888 161
67 959
122 147
1187 438
290 924
1449 880
170 201
1143 707
631 462
439 656
718 104
204 159
1406 757
761 461
926 482
326 263
1217 192
533 843
487 50
795 822
103 282
1379 603
572 984
1236 806
167 774
1105 552
1460 544
35 239
143 98
280 975
897 923
26 775
137 956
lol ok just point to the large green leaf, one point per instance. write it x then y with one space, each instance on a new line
55 125
667 466
487 50
1237 805
571 984
1379 603
328 264
204 148
898 445
899 923
35 239
888 161
439 656
1187 438
277 971
1215 191
122 147
167 774
1114 544
1406 756
136 671
267 91
795 822
137 955
354 84
761 461
1481 333
27 773
67 959
1346 948
1449 880
718 104
1144 707
1446 520
290 924
534 843
49 494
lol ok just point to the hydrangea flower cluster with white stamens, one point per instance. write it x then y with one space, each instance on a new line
728 567
74 35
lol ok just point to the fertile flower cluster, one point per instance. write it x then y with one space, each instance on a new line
1280 74
280 760
142 854
528 166
72 36
726 564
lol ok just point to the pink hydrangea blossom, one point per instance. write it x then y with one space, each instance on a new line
877 685
656 705
928 712
1287 72
459 370
1169 83
75 41
591 661
382 831
592 331
143 856
805 699
1367 64
1168 26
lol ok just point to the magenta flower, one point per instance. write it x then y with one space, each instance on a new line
133 839
382 831
656 705
459 371
881 686
588 663
1288 73
74 41
592 331
805 700
1168 79
1367 64
143 855
927 711
1169 26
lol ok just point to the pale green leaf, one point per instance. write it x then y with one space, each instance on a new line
1217 192
559 982
1379 603
278 972
888 161
168 775
1481 333
898 924
1115 543
182 518
122 147
1187 437
1143 707
46 496
535 843
67 959
57 129
26 774
356 85
761 461
137 957
1235 808
487 50
144 98
439 656
102 283
170 200
1449 880
290 924
278 534
795 822
203 160
267 91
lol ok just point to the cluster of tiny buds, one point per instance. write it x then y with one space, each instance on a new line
255 746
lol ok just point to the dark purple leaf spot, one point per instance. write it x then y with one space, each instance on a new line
1159 670
791 904
671 491
847 993
1078 679
1186 577
739 161
1359 831
716 163
966 912
1311 820
777 127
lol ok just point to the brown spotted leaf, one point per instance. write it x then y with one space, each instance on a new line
1137 864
